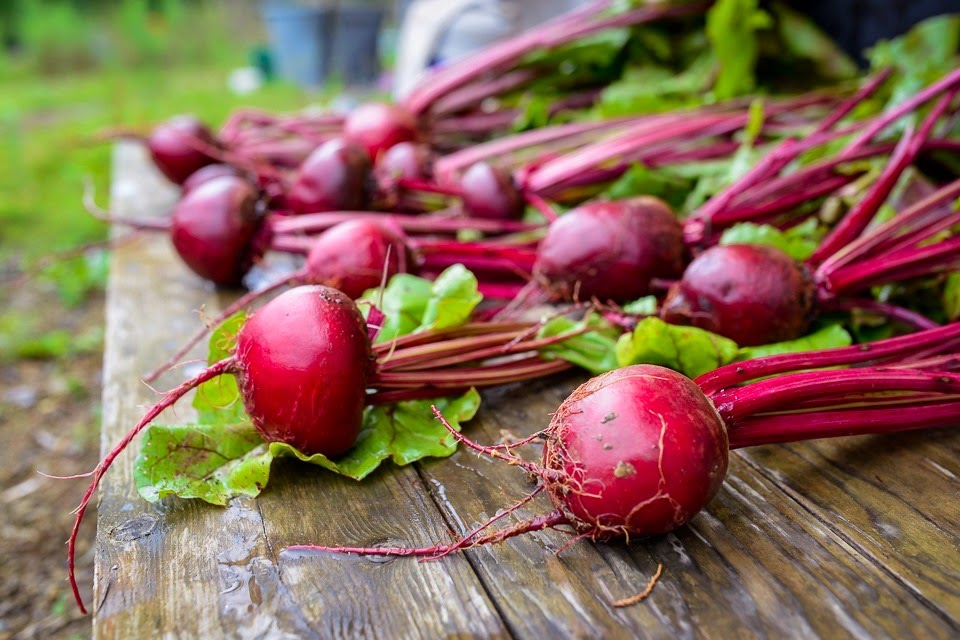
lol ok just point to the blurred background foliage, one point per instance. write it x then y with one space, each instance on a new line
69 69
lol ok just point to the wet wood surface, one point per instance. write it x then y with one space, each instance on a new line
852 537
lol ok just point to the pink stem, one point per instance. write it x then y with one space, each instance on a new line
860 215
880 123
915 345
893 312
781 392
316 222
772 429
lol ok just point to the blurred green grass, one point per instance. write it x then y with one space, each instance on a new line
79 73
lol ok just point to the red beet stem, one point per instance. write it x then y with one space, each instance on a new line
859 420
901 349
316 222
450 165
883 121
860 215
895 267
893 312
500 56
486 375
921 219
856 386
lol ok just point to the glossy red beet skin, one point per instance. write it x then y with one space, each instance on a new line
176 147
489 192
356 255
377 126
611 250
749 293
213 228
334 177
639 451
303 361
208 173
404 160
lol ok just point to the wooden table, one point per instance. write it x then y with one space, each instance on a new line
844 538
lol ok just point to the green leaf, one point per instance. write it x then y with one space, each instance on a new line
639 180
404 432
454 296
830 336
645 306
951 296
410 303
211 462
731 28
798 242
218 462
402 302
594 350
218 401
805 40
689 350
922 55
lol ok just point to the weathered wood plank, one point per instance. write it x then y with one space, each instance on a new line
185 569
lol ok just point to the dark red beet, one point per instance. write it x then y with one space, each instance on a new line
213 228
377 126
489 192
303 361
209 172
176 147
749 293
355 256
404 160
628 468
611 250
332 178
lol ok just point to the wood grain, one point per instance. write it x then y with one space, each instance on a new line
854 537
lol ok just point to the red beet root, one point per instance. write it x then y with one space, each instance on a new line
376 127
611 250
214 226
749 293
489 192
332 178
209 172
176 147
302 368
628 468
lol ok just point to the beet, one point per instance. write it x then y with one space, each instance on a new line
377 126
355 256
334 177
620 469
404 160
177 147
751 294
611 250
489 192
209 172
302 367
214 226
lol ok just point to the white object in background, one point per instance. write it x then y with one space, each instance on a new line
438 31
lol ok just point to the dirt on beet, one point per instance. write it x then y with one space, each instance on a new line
50 422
